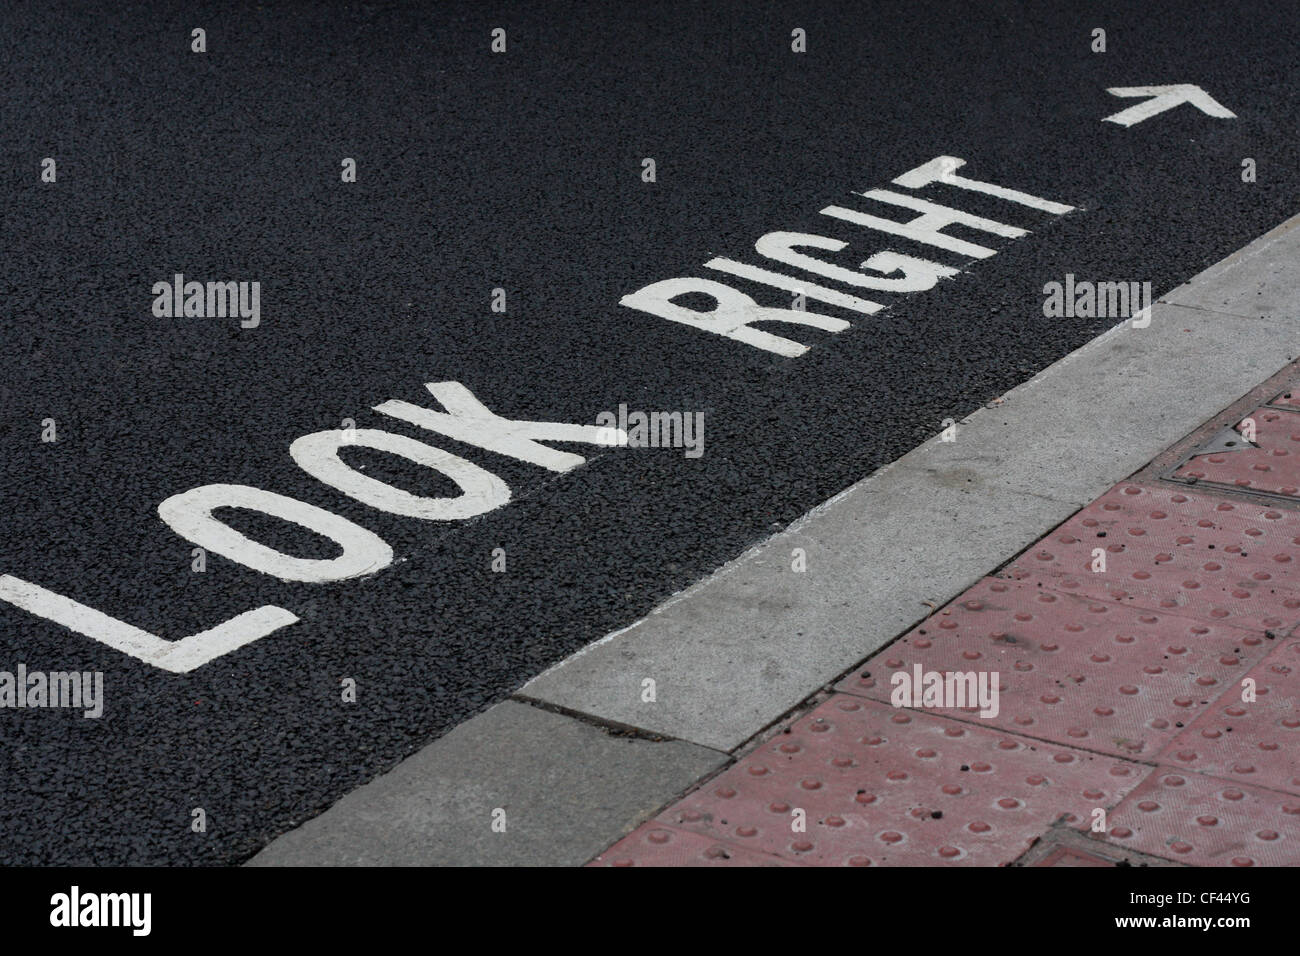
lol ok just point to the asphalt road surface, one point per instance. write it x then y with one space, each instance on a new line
521 171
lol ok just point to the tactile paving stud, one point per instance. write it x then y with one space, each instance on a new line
1273 466
1255 742
1179 551
1091 674
880 786
654 845
1205 821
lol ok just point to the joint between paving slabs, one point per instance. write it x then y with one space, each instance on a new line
773 729
616 729
611 728
1061 836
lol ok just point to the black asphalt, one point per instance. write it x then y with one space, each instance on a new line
519 170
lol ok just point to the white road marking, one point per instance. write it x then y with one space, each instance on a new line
190 515
781 281
178 657
733 312
918 274
318 455
1165 98
469 420
941 170
927 227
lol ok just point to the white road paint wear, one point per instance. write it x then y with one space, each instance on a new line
1165 98
734 312
466 419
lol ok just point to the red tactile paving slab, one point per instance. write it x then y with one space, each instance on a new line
1064 846
1255 742
1272 467
1205 821
1287 400
1180 551
1068 856
888 787
1092 674
654 845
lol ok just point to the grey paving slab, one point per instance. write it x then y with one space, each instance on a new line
1258 280
1102 412
567 789
733 654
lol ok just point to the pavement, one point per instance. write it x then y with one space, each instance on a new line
283 623
1110 546
1148 667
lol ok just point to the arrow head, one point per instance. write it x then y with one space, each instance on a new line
1162 98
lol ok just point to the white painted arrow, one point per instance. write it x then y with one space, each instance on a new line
1165 98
